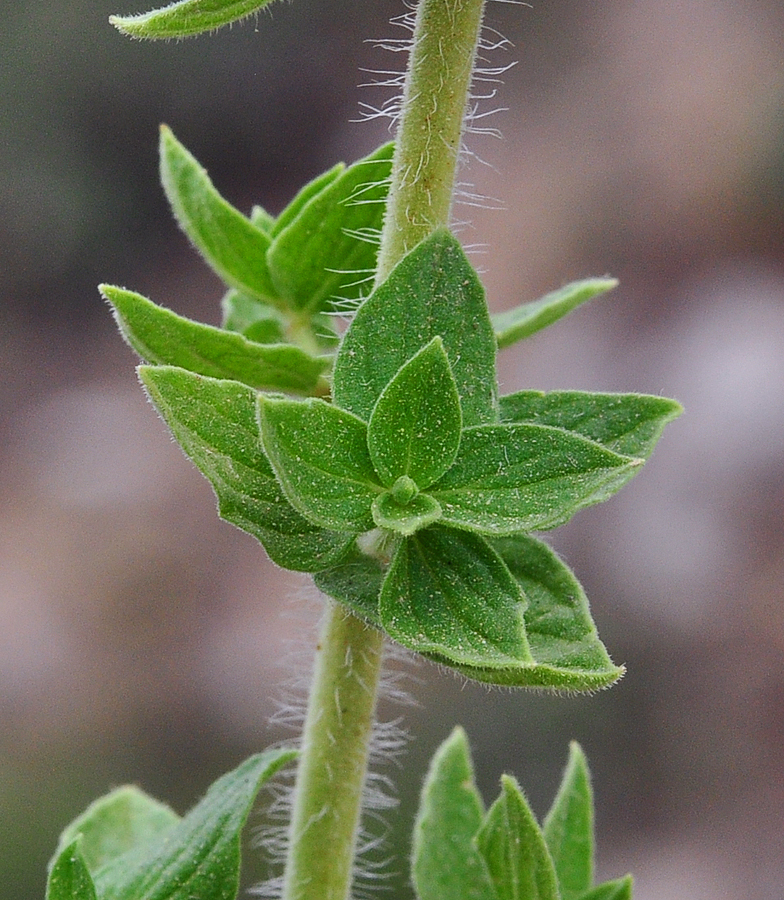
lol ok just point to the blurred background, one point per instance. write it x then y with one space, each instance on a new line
140 637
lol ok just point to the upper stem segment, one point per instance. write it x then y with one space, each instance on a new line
435 98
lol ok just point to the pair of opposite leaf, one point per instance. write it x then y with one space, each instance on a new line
416 459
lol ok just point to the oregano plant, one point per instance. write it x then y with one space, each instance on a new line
347 415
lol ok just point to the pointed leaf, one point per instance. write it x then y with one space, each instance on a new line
320 455
621 889
433 291
566 650
405 519
356 583
262 219
324 256
414 429
447 592
186 18
116 823
234 247
528 318
558 622
514 850
630 424
160 336
304 196
201 855
446 864
69 878
568 827
215 424
512 478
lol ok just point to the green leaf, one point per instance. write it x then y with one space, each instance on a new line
304 196
256 320
215 424
621 889
514 850
325 254
433 291
116 823
566 650
186 18
201 854
528 318
69 878
414 429
630 424
446 864
356 583
234 247
262 219
406 519
320 455
564 643
568 827
162 337
512 478
447 592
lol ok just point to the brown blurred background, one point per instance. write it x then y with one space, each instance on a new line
140 637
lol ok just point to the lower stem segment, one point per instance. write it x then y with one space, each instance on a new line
333 761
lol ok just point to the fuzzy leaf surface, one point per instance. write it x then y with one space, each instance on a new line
619 889
327 251
162 337
630 424
415 427
233 246
528 318
215 423
406 519
446 864
69 877
432 292
116 823
563 638
201 854
186 18
448 592
356 582
514 850
304 196
512 478
568 827
320 455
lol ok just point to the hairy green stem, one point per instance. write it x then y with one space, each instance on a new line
333 761
341 707
435 97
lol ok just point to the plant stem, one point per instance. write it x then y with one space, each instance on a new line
333 761
341 707
435 98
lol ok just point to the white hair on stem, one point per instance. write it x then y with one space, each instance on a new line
373 864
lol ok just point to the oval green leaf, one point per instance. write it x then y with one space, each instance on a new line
415 427
433 291
514 478
320 455
448 592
